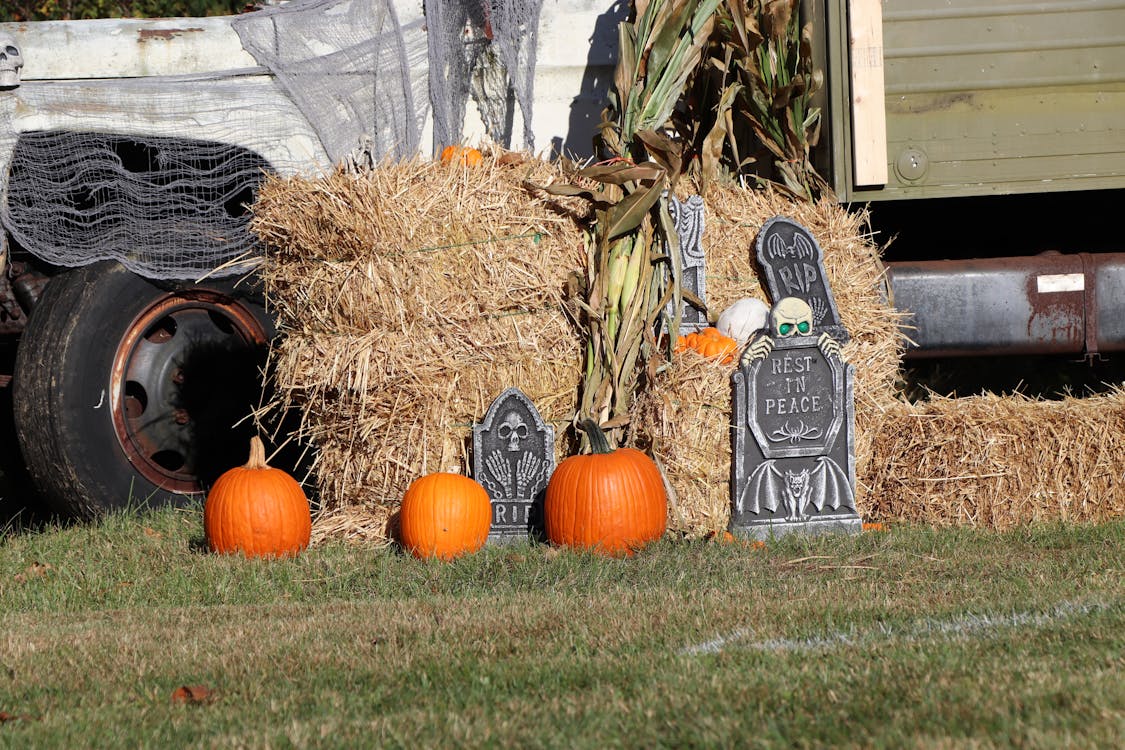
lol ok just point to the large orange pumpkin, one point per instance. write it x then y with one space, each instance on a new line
444 515
257 510
612 502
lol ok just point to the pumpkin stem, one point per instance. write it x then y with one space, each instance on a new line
257 455
598 441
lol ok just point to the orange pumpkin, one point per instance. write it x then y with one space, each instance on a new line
444 515
463 155
709 343
612 502
257 510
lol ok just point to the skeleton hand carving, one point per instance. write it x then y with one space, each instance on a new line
829 347
498 466
760 349
528 471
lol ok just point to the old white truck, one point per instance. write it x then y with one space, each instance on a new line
982 132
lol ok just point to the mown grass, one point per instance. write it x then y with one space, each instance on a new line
910 638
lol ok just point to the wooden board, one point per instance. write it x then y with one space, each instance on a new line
869 118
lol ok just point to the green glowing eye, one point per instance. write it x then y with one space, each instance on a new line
785 328
803 327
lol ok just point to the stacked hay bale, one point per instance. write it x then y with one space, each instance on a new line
998 462
413 294
410 297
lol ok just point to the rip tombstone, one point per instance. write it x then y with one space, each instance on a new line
513 458
793 265
687 216
793 452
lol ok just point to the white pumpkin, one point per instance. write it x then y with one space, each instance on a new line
743 319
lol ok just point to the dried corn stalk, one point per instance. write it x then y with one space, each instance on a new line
629 275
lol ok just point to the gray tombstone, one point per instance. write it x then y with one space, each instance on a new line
793 264
687 217
513 458
793 452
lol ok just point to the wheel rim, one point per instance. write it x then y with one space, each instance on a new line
157 363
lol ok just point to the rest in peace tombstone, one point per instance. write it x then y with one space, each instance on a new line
793 454
513 458
687 217
793 264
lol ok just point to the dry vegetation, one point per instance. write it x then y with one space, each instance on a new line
412 295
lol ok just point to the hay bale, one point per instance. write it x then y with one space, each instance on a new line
410 297
413 294
998 462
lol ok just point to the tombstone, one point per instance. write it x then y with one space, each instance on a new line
513 458
687 218
793 453
793 264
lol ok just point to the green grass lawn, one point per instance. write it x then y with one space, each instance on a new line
909 638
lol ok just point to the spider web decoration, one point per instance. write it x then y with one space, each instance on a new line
166 207
351 68
166 194
467 39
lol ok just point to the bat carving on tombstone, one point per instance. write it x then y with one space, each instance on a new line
824 485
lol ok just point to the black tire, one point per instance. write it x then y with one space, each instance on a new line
126 391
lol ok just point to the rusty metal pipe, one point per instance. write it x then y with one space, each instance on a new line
1043 304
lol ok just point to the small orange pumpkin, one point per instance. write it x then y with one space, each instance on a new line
709 343
612 502
463 155
257 510
444 515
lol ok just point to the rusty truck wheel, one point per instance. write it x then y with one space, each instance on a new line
132 393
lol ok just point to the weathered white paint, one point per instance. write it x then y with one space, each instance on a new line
1052 283
574 71
128 48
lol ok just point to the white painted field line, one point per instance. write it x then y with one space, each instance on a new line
960 626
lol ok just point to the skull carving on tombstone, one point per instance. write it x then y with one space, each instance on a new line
791 316
11 63
513 429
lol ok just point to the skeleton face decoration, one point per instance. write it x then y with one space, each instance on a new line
11 63
513 429
791 316
796 484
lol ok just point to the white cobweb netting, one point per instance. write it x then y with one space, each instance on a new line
484 49
347 65
165 207
173 205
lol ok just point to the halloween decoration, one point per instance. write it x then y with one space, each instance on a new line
790 317
11 63
743 319
257 510
792 393
711 344
513 457
687 219
610 502
462 155
444 515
